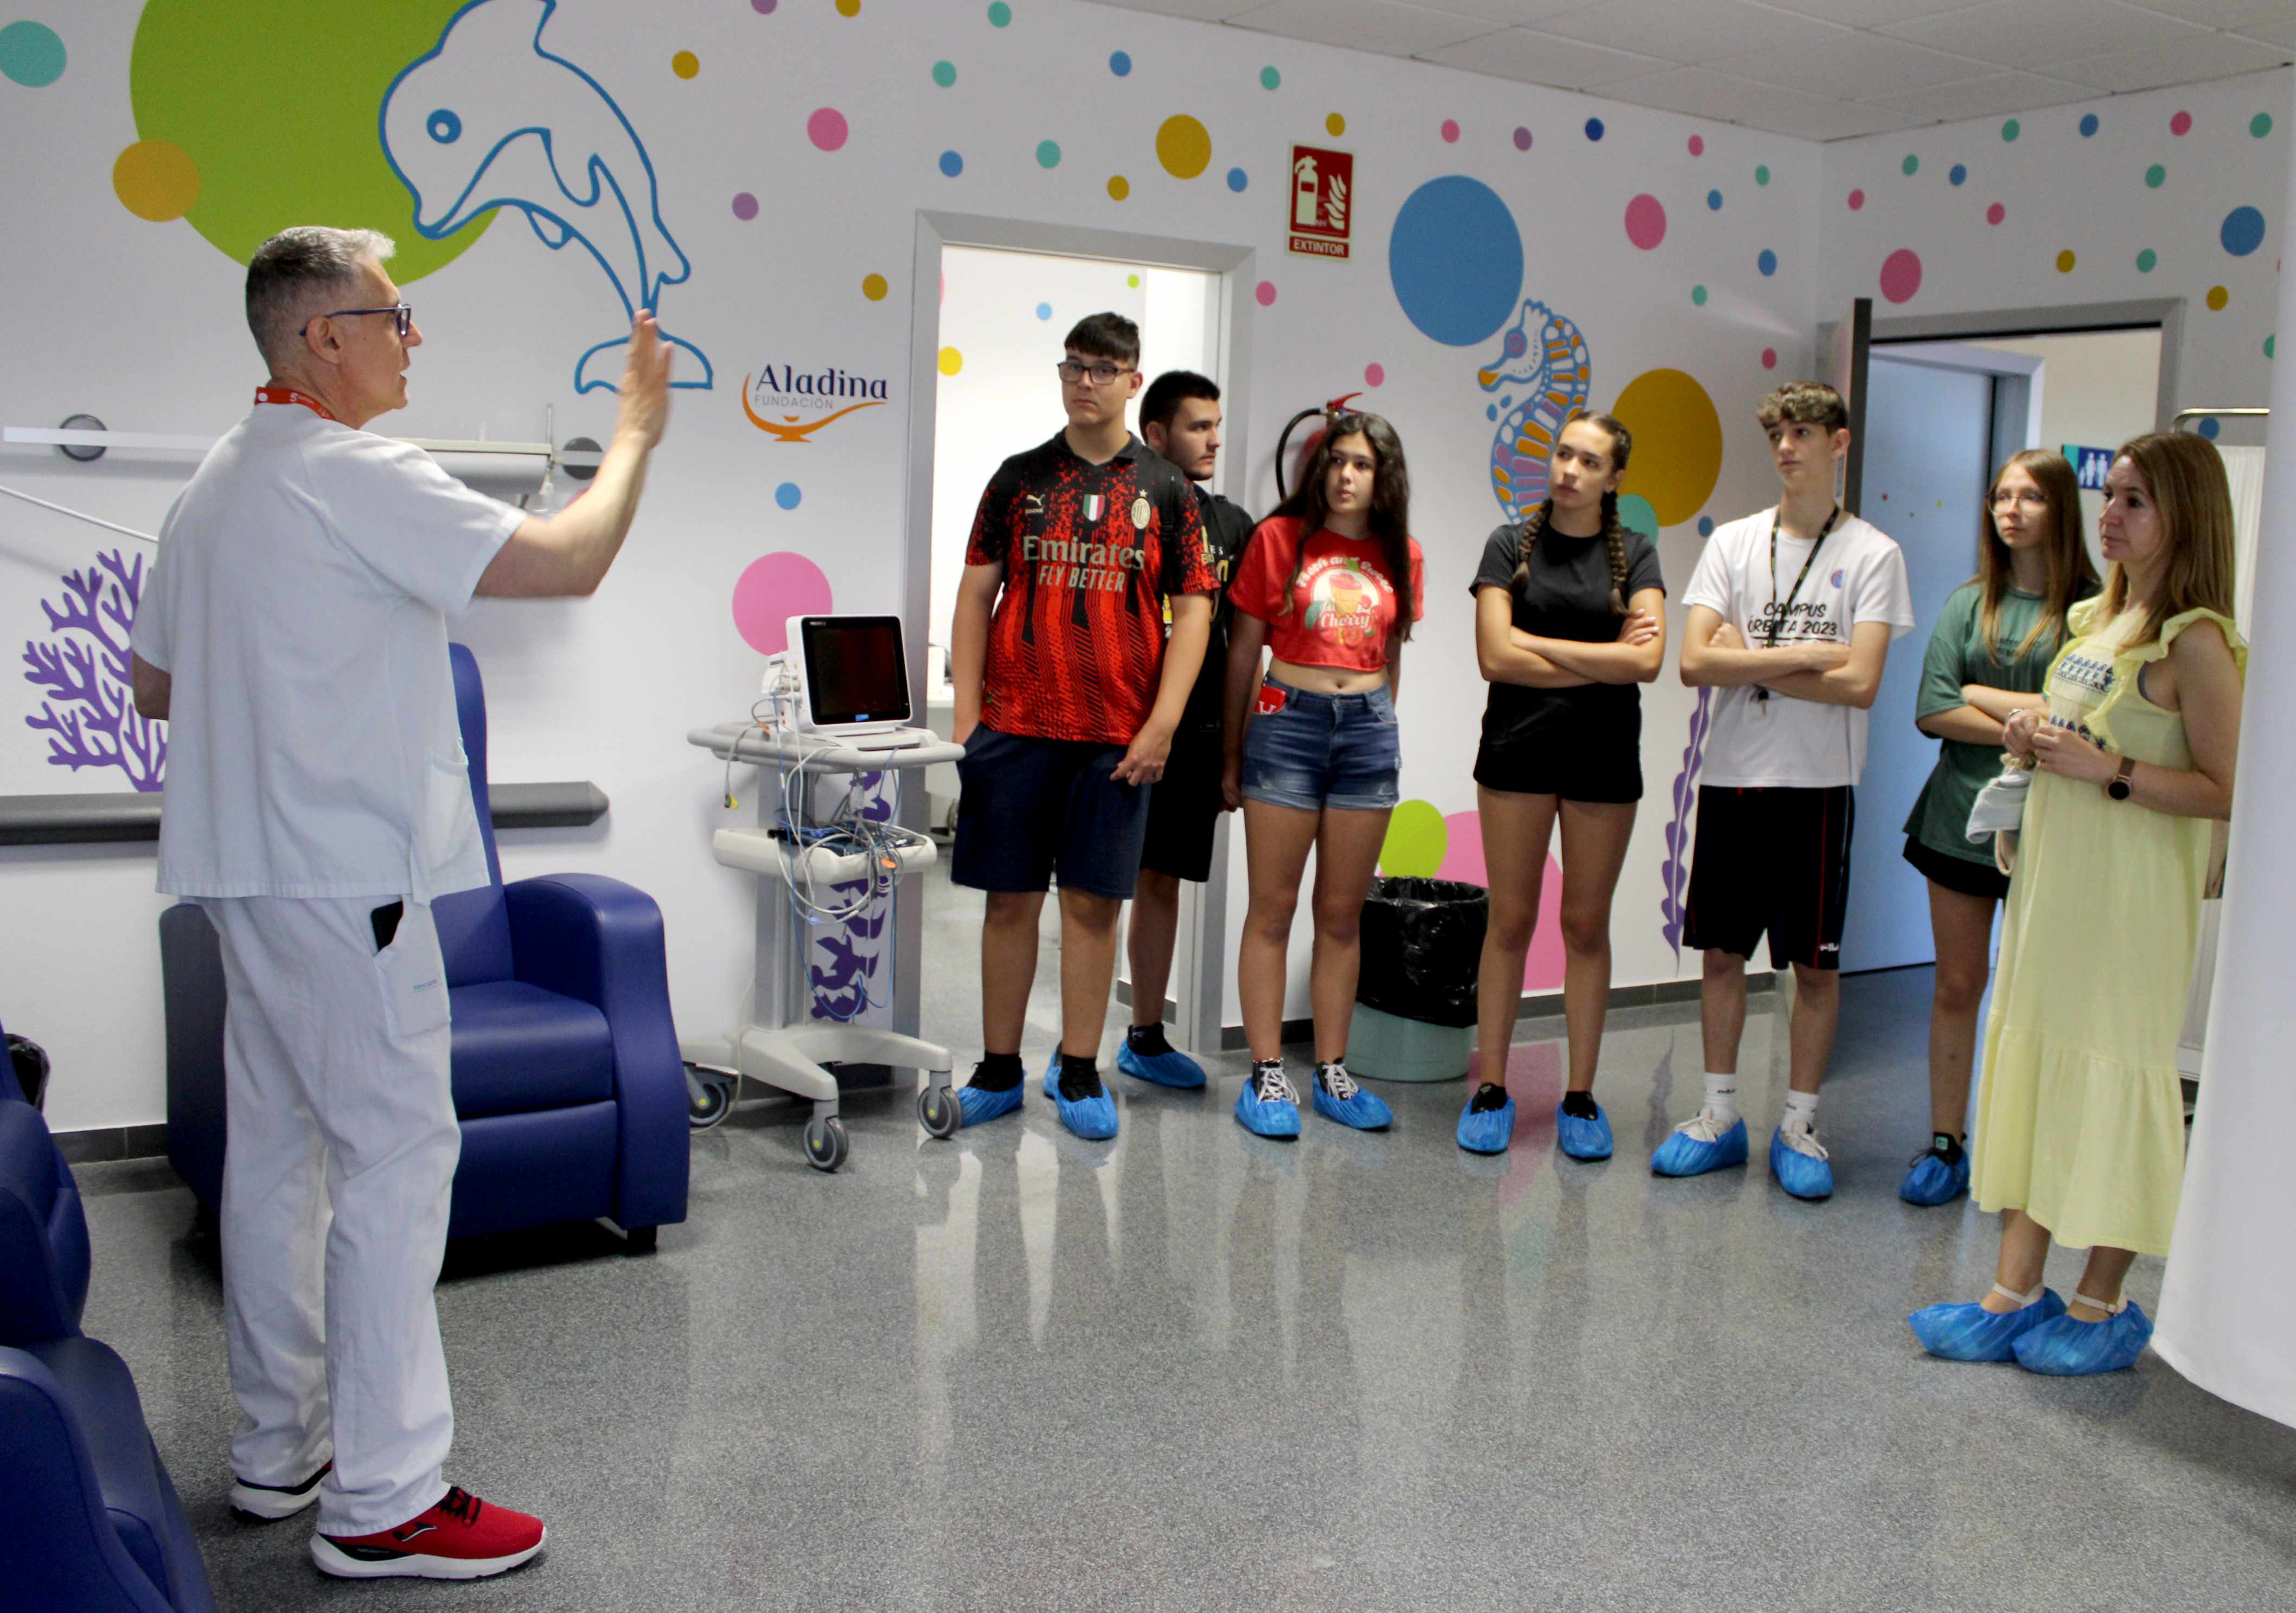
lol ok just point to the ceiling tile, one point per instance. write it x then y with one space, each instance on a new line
1703 93
1690 31
1869 13
1386 27
1981 97
1851 63
1822 120
1507 13
2272 33
1200 11
2206 56
2240 16
2027 33
1532 57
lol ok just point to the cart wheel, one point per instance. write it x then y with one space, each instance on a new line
937 1108
825 1143
709 1097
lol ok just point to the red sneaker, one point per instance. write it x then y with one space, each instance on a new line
462 1537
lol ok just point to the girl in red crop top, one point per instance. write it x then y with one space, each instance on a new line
1330 583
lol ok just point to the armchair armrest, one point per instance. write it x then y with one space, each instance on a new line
600 941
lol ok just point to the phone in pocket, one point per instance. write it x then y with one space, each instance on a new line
385 919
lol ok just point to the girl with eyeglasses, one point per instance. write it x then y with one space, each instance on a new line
1330 583
1988 658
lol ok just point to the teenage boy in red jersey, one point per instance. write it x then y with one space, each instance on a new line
1067 700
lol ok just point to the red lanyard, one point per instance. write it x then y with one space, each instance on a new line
288 394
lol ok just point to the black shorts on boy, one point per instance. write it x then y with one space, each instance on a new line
1774 860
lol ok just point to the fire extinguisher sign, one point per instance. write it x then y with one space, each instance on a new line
1323 200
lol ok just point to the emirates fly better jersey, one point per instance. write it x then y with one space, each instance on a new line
1076 643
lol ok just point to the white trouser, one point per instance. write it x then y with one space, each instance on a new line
336 1187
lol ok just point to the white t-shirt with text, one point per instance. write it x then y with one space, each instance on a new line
1859 576
299 606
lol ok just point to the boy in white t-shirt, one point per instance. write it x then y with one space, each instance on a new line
1792 613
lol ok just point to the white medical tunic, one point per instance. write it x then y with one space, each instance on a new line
299 606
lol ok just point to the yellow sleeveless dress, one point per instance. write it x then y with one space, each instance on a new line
2081 1121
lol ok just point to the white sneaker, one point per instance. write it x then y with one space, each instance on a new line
1800 1136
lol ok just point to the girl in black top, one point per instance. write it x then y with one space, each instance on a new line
1569 616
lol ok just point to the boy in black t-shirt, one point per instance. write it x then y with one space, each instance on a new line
1180 418
1067 700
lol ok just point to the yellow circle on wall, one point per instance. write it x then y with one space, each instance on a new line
1118 187
685 64
156 179
2219 297
873 287
951 361
1183 146
1336 125
848 8
1670 412
1416 841
2065 261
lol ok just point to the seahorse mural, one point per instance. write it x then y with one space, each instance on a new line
1543 374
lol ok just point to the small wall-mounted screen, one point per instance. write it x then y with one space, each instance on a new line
855 671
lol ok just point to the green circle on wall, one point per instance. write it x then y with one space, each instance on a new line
1762 173
2146 260
1911 166
2155 177
2260 125
1416 841
2011 129
234 86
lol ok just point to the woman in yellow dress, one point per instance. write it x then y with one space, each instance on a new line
2080 1134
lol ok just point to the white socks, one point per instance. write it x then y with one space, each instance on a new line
1801 1107
1722 1099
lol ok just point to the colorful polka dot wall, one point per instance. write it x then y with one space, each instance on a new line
1183 146
826 128
1450 131
32 55
1522 138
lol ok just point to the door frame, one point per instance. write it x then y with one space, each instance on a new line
1198 977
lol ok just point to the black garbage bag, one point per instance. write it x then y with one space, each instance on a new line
31 1063
1422 944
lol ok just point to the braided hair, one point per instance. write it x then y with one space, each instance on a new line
1614 531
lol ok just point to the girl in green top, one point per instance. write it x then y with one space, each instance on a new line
1990 650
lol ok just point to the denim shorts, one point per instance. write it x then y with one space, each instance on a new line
1318 750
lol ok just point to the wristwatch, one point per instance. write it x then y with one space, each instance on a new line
2124 780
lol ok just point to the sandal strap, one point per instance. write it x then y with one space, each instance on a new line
2022 1299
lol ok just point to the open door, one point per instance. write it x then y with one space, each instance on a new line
1845 345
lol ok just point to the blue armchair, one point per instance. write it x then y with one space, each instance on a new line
88 1520
566 1071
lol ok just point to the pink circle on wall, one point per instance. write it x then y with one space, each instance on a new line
1266 292
1857 200
771 591
1901 274
1374 375
826 128
1645 222
1698 145
1996 213
1451 129
1542 967
1769 358
2181 123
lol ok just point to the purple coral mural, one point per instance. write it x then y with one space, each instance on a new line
88 709
848 953
1676 870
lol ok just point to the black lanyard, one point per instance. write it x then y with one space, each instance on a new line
1778 617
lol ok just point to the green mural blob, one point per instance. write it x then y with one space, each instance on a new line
276 143
1636 515
1416 841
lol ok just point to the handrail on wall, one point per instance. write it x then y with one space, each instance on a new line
2182 415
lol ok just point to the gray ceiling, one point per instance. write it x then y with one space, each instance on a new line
1820 69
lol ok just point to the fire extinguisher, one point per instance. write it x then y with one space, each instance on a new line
1337 406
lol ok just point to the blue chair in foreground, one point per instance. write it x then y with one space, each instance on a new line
88 1520
567 1077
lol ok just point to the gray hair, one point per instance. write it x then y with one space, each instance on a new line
294 272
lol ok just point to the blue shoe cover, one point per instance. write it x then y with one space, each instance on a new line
1172 1069
1583 1138
977 1108
1933 1182
1488 1131
2067 1348
1365 1111
1971 1332
1092 1118
1275 1118
1804 1175
1685 1155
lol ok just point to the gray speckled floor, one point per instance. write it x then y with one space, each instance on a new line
1191 1369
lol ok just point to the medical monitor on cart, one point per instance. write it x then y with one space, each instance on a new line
853 677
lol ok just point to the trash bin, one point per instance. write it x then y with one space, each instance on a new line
1422 946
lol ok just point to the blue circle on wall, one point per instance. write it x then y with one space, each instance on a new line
1713 201
1454 257
788 494
2242 232
1594 128
1768 262
2089 126
1044 310
1705 526
1237 179
1960 172
2209 428
1119 64
951 164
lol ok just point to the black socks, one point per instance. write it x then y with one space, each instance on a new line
1945 1148
1147 1040
997 1073
1079 1077
1580 1106
1490 1099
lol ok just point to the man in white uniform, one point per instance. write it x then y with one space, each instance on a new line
294 633
1791 614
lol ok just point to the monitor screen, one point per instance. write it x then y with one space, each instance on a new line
855 671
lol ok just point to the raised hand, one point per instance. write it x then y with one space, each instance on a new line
645 384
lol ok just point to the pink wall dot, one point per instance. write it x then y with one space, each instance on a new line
1265 291
2181 123
1769 358
745 206
1542 969
771 591
1901 274
1698 145
1857 200
1645 222
1374 375
1522 138
827 128
1451 129
1996 213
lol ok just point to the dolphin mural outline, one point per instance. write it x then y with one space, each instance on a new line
490 79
